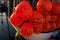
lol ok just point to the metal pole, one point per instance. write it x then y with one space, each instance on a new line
8 7
7 18
13 5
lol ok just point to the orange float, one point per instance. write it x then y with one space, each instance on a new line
46 27
23 11
56 8
53 26
26 30
37 22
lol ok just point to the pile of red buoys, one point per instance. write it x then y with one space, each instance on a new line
44 19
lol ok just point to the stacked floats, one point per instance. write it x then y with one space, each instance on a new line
46 18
